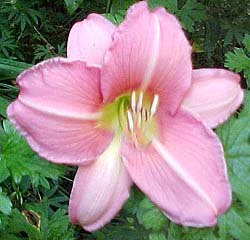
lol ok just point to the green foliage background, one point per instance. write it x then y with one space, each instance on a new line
34 193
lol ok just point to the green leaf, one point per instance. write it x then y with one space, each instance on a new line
223 229
235 224
4 172
246 42
241 189
171 5
150 216
132 205
174 231
116 17
198 234
58 227
10 69
27 163
120 5
3 106
189 13
5 203
72 5
17 225
237 60
157 236
54 226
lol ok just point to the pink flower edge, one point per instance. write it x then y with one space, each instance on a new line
214 95
53 121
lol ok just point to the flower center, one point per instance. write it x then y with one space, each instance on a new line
141 124
133 114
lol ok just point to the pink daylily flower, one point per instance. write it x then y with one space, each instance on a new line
127 108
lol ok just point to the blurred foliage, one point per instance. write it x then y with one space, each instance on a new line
34 193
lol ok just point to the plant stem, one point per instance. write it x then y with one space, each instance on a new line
108 7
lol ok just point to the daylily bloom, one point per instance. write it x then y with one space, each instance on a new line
127 108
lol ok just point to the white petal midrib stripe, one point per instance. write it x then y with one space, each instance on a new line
65 114
182 174
154 55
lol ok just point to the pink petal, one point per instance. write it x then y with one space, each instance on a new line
149 51
183 171
61 86
99 191
214 95
173 71
90 38
55 111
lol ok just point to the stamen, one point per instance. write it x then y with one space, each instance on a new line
133 101
139 103
154 105
130 121
134 140
144 115
139 119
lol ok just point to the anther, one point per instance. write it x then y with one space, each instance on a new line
133 101
139 103
154 105
130 121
